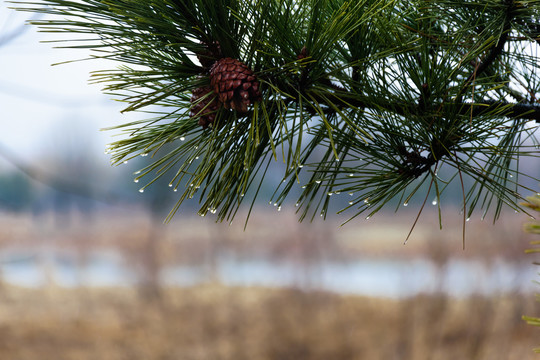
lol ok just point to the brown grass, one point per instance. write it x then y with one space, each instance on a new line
217 322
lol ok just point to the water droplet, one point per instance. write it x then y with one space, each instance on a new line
144 154
318 181
136 180
297 204
406 204
279 208
330 194
303 187
141 190
275 204
351 175
284 180
196 158
182 138
175 189
366 200
338 192
511 175
368 217
351 194
213 210
125 161
300 166
434 202
241 195
468 219
137 172
202 214
170 184
351 202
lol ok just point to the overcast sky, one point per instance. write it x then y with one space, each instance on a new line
44 106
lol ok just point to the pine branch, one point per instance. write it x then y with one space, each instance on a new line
375 98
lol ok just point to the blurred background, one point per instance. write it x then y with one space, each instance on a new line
88 269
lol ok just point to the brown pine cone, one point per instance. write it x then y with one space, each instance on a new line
303 53
204 105
208 57
235 84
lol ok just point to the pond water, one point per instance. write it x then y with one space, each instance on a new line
371 277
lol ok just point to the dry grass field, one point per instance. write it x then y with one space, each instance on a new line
217 322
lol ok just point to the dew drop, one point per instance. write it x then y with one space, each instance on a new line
297 204
351 175
137 172
125 161
318 181
434 202
241 195
406 204
351 194
351 202
300 166
468 219
330 194
141 190
213 210
368 217
366 200
275 204
279 208
170 184
303 187
182 138
136 180
175 190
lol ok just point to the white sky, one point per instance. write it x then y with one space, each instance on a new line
43 105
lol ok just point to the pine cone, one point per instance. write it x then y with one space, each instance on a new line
204 108
303 53
235 84
208 57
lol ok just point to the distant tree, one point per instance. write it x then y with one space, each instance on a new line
16 192
378 99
